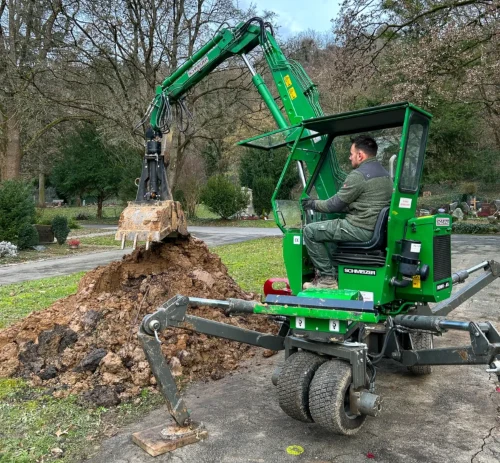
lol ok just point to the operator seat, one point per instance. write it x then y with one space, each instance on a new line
372 252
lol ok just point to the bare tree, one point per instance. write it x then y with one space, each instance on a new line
119 51
27 30
426 51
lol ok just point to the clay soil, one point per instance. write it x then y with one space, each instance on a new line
86 344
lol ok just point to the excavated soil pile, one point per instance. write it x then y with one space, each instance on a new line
87 344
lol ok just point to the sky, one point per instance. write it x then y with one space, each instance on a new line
295 16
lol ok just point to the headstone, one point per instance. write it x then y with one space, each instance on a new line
453 206
458 214
465 207
497 204
45 234
486 210
249 211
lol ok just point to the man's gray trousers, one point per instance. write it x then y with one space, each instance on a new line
318 235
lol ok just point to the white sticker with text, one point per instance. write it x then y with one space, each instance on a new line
415 247
335 325
300 322
405 203
198 66
442 222
296 240
366 295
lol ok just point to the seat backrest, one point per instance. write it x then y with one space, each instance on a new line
378 239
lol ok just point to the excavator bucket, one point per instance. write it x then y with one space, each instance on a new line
151 221
153 216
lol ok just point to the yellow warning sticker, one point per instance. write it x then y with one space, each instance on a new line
292 93
294 450
288 81
416 281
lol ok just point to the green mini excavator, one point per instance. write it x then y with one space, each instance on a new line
334 339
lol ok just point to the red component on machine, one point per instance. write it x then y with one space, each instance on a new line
269 289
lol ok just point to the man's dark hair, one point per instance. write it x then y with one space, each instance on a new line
366 144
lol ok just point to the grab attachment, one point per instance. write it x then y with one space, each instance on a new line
153 216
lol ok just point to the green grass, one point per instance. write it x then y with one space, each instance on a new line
20 299
34 424
251 263
106 240
110 213
202 212
206 218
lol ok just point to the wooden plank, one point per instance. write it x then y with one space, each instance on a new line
162 439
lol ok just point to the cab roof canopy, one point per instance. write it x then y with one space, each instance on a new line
362 120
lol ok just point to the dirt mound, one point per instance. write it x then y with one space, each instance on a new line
87 343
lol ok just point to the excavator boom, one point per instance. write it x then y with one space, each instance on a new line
298 95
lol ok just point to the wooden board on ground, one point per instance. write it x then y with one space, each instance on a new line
163 439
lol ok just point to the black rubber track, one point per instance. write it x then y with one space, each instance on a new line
421 341
327 393
293 384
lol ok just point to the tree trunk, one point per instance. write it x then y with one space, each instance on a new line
41 189
11 167
99 206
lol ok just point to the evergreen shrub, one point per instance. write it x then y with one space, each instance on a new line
28 237
60 228
222 197
17 208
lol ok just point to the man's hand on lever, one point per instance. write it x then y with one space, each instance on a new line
308 204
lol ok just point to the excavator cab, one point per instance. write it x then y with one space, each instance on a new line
408 258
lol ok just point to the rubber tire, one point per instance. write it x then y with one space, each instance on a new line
421 341
293 384
327 394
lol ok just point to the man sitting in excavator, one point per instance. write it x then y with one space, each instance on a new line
366 191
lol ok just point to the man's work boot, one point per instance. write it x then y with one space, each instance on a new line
324 282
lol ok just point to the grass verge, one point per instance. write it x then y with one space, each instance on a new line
38 428
252 262
35 426
20 299
46 214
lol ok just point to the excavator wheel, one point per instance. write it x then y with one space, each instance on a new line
420 341
293 384
329 399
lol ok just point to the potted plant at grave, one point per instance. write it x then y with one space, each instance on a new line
73 243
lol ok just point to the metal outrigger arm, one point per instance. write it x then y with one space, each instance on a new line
483 350
173 313
485 339
492 271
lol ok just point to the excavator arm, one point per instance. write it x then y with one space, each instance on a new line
299 101
298 94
